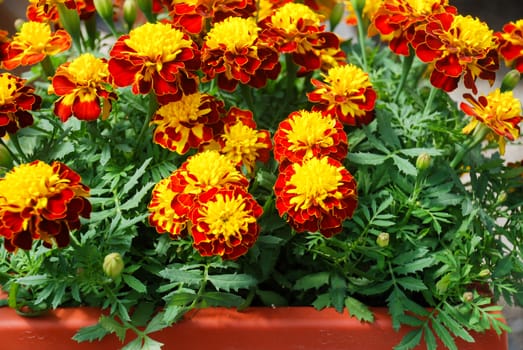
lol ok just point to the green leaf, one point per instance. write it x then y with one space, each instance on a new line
233 281
222 299
156 323
404 165
411 283
363 158
358 309
430 339
61 150
135 200
414 152
410 340
414 266
454 326
34 280
112 326
190 277
312 281
91 333
271 298
134 283
443 334
133 180
338 292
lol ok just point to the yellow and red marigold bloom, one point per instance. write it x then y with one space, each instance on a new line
47 10
500 111
198 174
316 195
511 44
41 201
196 15
242 142
82 85
457 46
232 53
304 135
33 43
4 44
297 30
399 19
224 223
16 100
346 93
158 57
187 123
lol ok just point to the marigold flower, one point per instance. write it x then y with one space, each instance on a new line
41 201
16 100
500 111
242 142
511 44
457 46
233 53
198 174
304 135
156 56
46 11
225 222
33 43
296 29
195 15
399 19
316 195
82 85
187 123
346 93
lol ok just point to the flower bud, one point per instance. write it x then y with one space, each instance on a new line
358 5
510 81
6 160
468 297
113 265
336 15
129 13
105 10
70 20
383 239
484 273
147 8
502 197
423 161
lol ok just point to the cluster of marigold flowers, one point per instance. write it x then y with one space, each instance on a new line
231 43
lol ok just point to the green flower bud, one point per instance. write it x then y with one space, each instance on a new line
6 160
358 5
383 239
502 197
113 265
468 297
129 13
70 20
423 161
337 14
484 273
105 10
443 284
147 8
510 81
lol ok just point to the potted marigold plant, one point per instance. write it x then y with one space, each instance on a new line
167 160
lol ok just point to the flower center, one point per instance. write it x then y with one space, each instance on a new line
87 68
211 169
423 7
185 110
7 88
234 32
241 141
35 34
157 41
309 129
227 217
315 181
502 105
28 185
287 16
470 35
347 80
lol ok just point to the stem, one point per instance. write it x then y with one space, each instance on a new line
16 143
153 105
47 66
405 69
361 33
13 155
479 134
428 105
91 29
291 76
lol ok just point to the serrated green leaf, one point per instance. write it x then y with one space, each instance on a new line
410 340
112 326
363 158
312 281
338 292
135 200
414 152
90 333
359 310
411 283
455 327
430 339
271 298
222 299
233 281
404 165
322 301
156 323
443 334
61 150
190 277
134 283
33 280
414 266
133 180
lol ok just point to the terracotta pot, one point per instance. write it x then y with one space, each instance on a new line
260 328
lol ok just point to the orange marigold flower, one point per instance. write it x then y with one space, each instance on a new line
33 43
304 135
41 201
500 111
233 53
316 195
296 29
156 56
16 100
242 142
198 174
457 46
224 223
47 10
346 93
399 19
187 123
4 44
511 44
82 85
195 15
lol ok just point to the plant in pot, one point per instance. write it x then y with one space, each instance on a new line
163 157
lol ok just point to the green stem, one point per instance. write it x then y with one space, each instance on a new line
361 34
479 135
153 105
291 76
91 29
428 105
405 69
13 291
11 153
47 66
16 143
